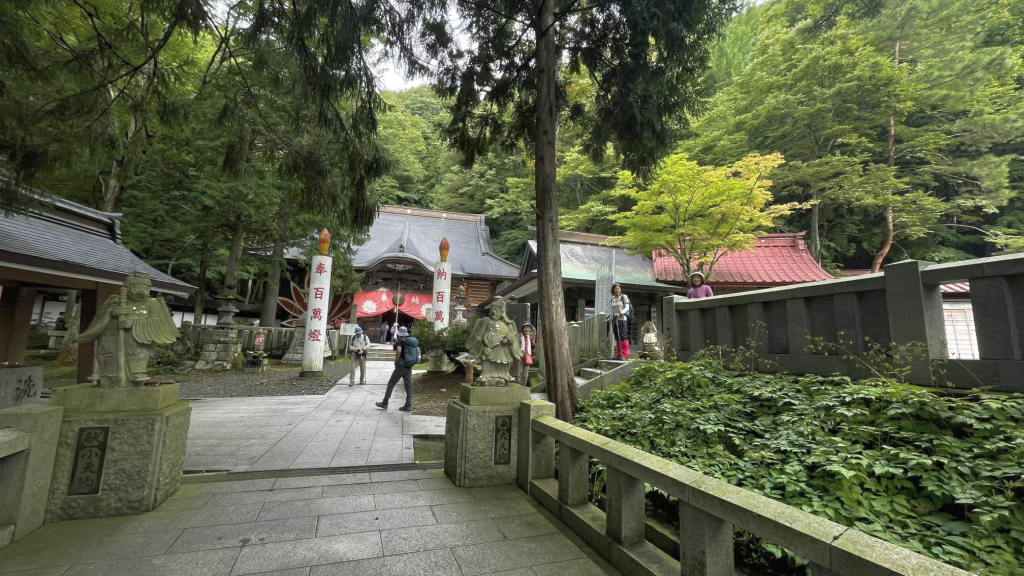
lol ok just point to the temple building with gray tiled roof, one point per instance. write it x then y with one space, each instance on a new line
56 247
401 250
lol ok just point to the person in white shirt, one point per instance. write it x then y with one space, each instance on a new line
357 348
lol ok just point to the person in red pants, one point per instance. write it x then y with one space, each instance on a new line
622 309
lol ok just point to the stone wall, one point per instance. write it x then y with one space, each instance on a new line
792 328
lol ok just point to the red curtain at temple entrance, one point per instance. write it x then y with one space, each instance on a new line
378 302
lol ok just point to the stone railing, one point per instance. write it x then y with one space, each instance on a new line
900 308
588 339
708 510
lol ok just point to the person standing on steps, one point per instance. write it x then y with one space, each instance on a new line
526 344
407 355
384 327
621 311
357 348
698 289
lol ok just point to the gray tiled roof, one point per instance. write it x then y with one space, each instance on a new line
421 232
66 237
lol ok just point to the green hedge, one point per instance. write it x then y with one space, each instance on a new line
940 475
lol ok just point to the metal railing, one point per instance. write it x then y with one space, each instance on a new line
708 510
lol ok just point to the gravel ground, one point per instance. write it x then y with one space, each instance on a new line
278 382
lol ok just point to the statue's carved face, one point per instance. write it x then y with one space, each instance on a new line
138 292
497 312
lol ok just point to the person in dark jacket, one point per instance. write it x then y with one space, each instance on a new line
401 372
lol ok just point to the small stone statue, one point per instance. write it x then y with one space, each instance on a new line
126 327
494 344
649 331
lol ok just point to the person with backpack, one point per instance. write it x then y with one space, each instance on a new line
384 328
622 309
407 355
357 347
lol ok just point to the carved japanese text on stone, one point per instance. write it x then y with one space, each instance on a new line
494 344
90 453
502 440
126 328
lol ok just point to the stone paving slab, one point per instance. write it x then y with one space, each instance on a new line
401 523
340 428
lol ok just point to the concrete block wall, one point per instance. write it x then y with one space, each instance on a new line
900 307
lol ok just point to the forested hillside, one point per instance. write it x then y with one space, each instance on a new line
900 124
823 90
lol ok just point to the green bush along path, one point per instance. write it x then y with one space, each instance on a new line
940 475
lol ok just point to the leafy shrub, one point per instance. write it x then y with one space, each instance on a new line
939 475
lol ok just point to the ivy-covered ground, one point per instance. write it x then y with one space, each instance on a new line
940 475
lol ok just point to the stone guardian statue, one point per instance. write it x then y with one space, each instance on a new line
494 344
126 327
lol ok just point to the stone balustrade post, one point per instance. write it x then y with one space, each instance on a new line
915 316
705 543
670 322
536 452
757 327
723 327
625 520
573 473
797 325
998 305
849 332
697 335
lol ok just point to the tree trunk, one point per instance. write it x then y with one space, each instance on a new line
815 246
230 274
268 312
204 266
876 265
558 364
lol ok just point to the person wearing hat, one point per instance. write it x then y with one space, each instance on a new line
407 355
526 344
357 348
698 289
622 309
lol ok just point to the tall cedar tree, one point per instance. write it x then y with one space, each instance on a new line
646 60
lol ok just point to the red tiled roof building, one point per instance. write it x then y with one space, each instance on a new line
776 260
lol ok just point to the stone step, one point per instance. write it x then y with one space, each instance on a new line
610 364
540 396
590 373
580 380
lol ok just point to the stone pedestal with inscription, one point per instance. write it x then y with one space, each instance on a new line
482 435
120 450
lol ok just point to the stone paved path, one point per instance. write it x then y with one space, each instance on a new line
340 428
413 523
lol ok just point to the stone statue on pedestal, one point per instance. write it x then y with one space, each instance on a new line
649 331
494 344
126 327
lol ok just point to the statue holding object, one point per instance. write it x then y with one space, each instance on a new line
494 344
126 327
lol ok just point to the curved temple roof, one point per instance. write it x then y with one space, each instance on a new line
776 260
63 238
413 234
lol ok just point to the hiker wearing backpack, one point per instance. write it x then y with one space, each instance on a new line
622 309
407 355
